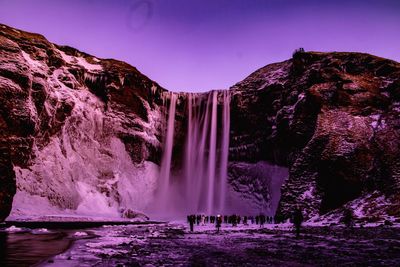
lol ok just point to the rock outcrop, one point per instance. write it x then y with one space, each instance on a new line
77 131
74 128
332 118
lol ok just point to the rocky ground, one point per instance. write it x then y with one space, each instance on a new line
172 245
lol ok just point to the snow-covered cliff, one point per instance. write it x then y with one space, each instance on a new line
83 134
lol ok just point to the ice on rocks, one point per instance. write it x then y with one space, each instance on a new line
81 61
34 64
13 229
85 169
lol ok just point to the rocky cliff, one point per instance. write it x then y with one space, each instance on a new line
74 129
333 120
77 131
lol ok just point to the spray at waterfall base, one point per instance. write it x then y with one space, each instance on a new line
194 176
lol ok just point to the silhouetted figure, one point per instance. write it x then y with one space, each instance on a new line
225 219
207 219
348 217
198 218
262 220
234 220
239 219
212 219
218 223
245 220
191 219
297 220
257 219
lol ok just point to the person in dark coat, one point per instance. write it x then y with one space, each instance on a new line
191 219
262 220
218 222
212 219
348 218
297 220
245 220
234 220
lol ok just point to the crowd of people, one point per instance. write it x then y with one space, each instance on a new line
235 220
296 218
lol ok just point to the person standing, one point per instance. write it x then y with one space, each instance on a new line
218 222
191 219
348 217
262 220
297 220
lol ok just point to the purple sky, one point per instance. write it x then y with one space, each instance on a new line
200 45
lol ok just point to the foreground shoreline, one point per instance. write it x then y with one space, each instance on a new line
141 243
72 224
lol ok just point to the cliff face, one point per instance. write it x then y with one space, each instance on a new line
333 119
74 129
76 132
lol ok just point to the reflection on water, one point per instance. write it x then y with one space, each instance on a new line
25 248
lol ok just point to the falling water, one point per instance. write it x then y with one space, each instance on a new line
223 173
165 171
205 168
211 155
202 184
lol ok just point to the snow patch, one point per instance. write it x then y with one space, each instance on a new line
67 58
94 203
13 229
81 61
40 231
309 194
80 234
34 64
87 65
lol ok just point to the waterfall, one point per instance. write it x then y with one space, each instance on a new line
206 152
165 170
223 173
211 156
201 185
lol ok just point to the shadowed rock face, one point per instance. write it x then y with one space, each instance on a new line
331 118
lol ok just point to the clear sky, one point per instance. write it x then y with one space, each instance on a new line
190 45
